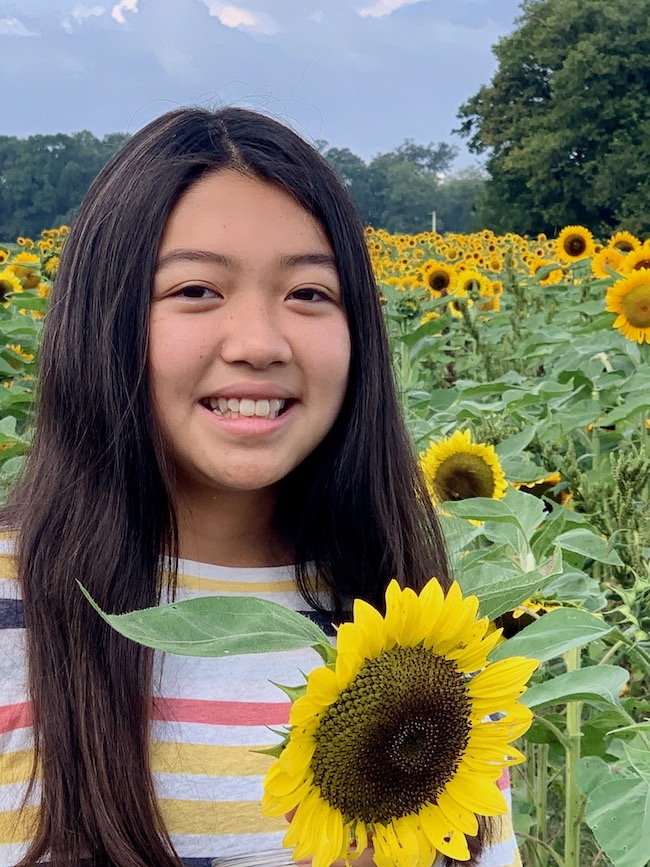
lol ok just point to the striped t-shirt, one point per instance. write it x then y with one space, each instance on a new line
209 717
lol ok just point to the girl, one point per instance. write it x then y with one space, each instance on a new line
216 414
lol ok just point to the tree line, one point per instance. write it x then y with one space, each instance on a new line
44 177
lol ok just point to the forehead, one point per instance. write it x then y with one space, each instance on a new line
241 211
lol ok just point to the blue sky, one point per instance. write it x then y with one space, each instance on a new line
363 74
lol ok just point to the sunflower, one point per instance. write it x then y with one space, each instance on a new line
574 243
25 258
553 275
606 260
395 739
439 277
630 298
624 241
9 283
457 469
637 259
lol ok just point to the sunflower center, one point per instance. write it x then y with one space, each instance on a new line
463 475
439 280
395 737
642 263
636 306
575 245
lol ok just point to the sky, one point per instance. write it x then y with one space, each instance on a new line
361 74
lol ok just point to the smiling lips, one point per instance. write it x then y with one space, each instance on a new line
232 407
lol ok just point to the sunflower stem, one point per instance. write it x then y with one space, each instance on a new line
573 798
541 801
405 375
547 846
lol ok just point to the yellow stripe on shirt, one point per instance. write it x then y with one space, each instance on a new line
222 817
215 761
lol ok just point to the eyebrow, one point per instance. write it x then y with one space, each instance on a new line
209 257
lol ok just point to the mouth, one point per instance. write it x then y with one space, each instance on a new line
232 407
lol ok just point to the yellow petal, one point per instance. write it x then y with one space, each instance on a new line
431 599
505 677
348 666
394 613
458 815
371 623
480 795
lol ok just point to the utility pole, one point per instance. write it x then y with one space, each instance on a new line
433 221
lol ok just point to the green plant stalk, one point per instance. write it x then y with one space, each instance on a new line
573 798
404 375
541 801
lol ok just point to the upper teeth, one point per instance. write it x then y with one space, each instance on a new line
233 406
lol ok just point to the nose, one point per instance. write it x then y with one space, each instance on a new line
254 335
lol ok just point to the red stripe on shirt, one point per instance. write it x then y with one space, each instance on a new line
221 713
15 716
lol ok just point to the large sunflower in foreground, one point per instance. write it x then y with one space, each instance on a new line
457 469
630 298
574 243
394 740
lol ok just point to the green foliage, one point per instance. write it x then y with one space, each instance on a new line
399 190
565 121
44 178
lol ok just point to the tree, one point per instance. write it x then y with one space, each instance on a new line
457 200
395 190
43 178
565 121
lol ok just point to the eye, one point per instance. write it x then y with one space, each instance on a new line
195 292
310 293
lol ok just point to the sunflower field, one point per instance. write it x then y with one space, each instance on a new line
523 367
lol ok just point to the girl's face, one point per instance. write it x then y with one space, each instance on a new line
249 347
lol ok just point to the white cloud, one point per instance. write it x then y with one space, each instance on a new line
117 12
80 13
14 27
258 24
380 8
316 16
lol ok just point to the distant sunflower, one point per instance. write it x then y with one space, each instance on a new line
471 282
624 241
25 258
439 277
545 266
51 265
608 257
9 284
637 259
395 740
574 243
457 469
630 298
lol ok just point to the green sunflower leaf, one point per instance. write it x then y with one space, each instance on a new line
524 510
599 684
590 545
216 626
554 634
617 811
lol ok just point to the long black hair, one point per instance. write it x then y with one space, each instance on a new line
95 501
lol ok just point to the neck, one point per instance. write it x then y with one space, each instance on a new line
230 528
